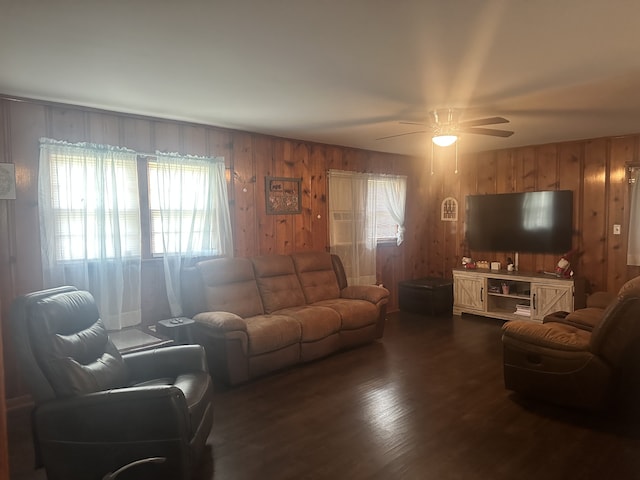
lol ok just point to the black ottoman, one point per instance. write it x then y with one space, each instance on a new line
429 296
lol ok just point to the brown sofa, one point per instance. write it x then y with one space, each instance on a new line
578 359
257 315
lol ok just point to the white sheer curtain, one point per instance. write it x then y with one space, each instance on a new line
633 249
352 221
395 189
90 225
189 214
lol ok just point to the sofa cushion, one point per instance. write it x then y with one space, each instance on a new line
230 286
277 282
317 276
70 378
600 299
72 345
613 337
353 313
268 333
316 322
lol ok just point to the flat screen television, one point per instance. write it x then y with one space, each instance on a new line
527 222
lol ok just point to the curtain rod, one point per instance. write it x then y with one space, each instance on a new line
64 143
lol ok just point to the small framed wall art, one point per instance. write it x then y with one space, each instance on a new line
449 210
282 195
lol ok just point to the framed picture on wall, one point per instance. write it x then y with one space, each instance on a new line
449 210
282 195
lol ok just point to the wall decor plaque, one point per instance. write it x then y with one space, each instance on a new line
283 195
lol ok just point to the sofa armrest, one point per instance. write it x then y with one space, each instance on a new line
557 317
600 299
371 293
165 361
584 319
136 414
226 341
221 322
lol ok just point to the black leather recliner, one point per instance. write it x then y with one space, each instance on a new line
97 411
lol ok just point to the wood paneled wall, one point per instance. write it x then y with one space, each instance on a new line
593 169
249 157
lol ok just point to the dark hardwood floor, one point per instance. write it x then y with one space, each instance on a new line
426 402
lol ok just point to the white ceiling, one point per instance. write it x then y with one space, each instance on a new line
343 72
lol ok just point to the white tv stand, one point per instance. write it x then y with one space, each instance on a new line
480 292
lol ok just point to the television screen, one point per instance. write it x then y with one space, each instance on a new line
533 222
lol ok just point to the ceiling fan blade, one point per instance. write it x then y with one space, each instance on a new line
483 121
486 131
400 134
412 123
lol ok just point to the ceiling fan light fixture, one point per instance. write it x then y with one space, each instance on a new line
444 140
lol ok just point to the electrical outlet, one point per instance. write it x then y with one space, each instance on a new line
616 229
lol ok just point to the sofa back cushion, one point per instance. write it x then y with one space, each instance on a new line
277 282
72 347
619 329
230 286
317 276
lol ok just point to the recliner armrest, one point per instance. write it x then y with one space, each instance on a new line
134 414
221 322
166 362
370 293
584 319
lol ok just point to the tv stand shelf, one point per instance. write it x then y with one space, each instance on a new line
514 295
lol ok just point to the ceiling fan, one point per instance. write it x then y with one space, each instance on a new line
445 126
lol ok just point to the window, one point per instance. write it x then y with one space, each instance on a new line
86 190
180 210
189 214
342 226
364 210
103 208
90 225
345 219
386 225
633 249
94 202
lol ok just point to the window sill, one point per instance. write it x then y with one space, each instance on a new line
387 243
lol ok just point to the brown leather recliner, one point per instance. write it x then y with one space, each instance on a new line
578 359
97 411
